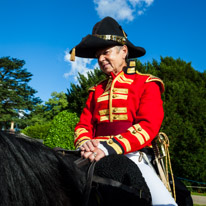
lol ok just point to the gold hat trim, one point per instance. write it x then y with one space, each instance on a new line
119 39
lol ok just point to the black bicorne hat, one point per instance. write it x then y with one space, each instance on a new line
105 33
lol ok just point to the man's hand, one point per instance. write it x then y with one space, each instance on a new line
95 155
90 150
89 146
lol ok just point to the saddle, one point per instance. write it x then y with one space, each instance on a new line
113 180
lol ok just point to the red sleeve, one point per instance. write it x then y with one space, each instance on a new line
84 129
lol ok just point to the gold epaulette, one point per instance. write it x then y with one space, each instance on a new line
152 78
93 88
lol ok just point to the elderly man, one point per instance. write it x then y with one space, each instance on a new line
123 113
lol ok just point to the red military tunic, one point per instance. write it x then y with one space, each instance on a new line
124 112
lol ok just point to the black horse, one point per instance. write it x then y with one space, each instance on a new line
32 174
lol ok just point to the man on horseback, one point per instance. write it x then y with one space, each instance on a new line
123 113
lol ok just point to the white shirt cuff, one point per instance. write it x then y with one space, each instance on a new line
100 146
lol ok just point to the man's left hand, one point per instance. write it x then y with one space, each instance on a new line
95 155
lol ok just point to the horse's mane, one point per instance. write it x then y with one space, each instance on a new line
33 174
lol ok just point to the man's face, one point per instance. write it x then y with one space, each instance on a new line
112 59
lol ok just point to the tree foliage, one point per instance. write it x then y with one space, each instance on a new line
46 112
16 96
61 132
78 94
185 114
37 131
40 119
184 105
56 104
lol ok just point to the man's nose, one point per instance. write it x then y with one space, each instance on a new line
101 57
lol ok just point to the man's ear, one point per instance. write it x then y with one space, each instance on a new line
125 51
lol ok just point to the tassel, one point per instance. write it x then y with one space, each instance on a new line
72 57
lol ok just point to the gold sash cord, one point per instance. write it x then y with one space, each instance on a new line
164 141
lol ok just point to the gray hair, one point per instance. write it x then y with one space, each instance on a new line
119 48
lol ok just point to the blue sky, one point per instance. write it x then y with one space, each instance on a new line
41 32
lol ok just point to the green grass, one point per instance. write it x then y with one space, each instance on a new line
197 193
198 205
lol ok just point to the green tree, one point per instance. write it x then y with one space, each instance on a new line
16 96
56 104
46 112
61 132
37 131
185 114
78 93
37 115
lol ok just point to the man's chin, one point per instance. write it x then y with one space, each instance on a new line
107 70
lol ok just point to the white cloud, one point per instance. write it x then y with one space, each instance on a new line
140 12
118 9
141 3
81 65
149 2
121 9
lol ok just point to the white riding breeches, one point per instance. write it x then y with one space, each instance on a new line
160 195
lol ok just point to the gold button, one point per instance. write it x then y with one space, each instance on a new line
110 141
114 117
134 131
114 90
139 129
114 95
114 110
120 137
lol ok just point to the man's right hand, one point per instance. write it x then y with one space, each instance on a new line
89 146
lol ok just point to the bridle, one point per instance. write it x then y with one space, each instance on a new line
80 163
90 174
